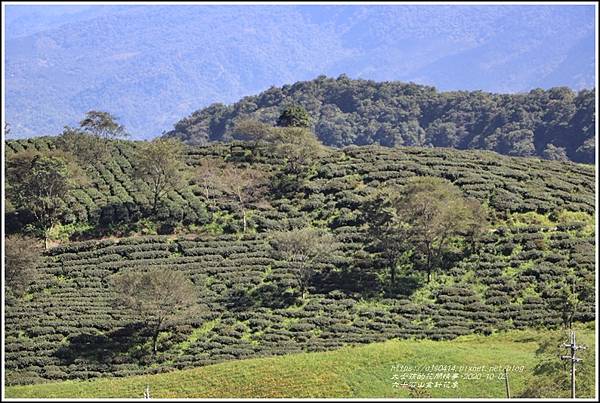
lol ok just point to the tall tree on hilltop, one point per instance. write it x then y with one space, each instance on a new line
103 125
91 142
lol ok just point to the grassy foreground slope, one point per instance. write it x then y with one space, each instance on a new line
366 371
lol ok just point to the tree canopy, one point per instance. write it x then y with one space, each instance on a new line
361 112
421 218
160 163
156 295
294 116
302 248
103 125
21 257
37 183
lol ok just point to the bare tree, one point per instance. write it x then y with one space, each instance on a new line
207 172
242 185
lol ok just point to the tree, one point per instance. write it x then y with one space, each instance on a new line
160 163
252 130
294 116
207 172
302 249
37 183
296 146
383 228
243 185
157 296
431 212
103 125
564 298
21 257
478 225
551 152
422 218
86 148
587 151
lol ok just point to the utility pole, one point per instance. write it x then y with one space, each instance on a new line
573 347
506 384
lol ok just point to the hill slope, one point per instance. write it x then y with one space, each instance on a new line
66 327
358 372
360 112
150 65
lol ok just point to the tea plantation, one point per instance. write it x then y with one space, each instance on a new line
66 326
350 372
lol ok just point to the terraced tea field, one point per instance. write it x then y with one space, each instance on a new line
67 326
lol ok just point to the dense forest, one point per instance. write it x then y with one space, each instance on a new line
557 123
275 247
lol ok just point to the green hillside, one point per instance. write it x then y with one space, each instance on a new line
351 372
66 326
333 190
557 123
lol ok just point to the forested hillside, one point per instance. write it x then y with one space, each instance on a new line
528 267
553 124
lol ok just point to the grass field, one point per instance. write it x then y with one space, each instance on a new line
359 372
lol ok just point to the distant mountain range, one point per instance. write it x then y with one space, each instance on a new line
152 65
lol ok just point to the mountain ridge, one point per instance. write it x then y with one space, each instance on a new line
152 65
554 124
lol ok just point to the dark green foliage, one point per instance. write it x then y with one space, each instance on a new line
38 184
21 257
294 116
555 124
